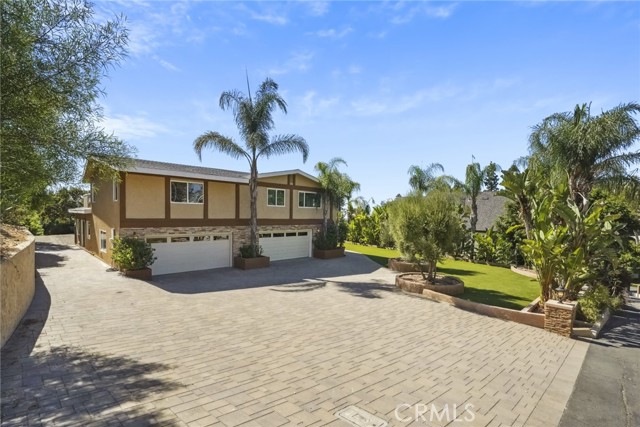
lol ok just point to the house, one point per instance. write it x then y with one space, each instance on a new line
196 217
490 207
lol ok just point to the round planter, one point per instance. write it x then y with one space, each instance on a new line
398 264
412 282
140 274
328 253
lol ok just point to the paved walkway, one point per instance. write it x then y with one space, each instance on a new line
607 391
96 348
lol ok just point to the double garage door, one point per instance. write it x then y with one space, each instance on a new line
177 254
279 245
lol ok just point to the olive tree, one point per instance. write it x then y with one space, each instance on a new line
425 228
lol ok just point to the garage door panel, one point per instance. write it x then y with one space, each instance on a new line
177 257
285 245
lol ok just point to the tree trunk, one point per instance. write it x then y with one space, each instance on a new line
253 189
473 221
525 213
325 211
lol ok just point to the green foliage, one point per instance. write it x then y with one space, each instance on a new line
491 179
370 226
131 253
250 251
491 247
425 228
331 239
253 115
593 303
52 59
509 229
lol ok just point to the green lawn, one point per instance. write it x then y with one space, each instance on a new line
482 283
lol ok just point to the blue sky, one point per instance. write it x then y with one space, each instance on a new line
384 85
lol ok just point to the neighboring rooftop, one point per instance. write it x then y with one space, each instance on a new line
490 207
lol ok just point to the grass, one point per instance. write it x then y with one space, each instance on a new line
482 283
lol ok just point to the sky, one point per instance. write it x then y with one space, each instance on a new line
383 85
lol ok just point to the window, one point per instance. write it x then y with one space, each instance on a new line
93 194
116 190
103 241
180 239
275 197
201 238
156 240
88 229
113 236
187 192
308 200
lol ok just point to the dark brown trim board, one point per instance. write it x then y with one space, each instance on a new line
196 222
167 197
123 196
205 189
291 204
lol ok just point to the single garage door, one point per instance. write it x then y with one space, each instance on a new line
279 245
176 254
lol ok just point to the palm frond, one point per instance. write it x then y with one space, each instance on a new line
285 144
219 142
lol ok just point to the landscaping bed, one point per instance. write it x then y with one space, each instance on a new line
415 283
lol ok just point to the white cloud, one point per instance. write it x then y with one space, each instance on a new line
300 61
165 64
271 18
312 105
132 126
404 15
354 69
318 8
333 33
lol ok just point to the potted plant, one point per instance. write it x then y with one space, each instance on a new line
133 256
329 244
251 257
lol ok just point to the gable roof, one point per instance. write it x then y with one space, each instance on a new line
199 172
490 207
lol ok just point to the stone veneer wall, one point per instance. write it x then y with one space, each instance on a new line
18 287
239 235
559 317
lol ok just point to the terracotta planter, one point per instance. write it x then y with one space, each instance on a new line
411 282
328 253
251 263
141 274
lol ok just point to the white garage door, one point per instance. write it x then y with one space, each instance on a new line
176 254
279 245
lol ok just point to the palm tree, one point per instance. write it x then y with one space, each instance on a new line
472 185
253 116
329 178
589 150
519 187
423 180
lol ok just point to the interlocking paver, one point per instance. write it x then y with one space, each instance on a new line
97 348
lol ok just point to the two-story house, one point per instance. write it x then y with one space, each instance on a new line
197 218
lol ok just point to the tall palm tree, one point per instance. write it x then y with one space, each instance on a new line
474 176
520 187
589 150
254 118
423 180
329 177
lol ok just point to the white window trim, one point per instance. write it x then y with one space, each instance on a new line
115 189
187 202
309 192
284 198
100 233
113 236
93 194
88 225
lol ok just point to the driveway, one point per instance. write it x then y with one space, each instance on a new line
290 345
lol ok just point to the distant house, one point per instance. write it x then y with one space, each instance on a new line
197 218
490 207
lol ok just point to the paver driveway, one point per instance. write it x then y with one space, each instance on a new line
216 348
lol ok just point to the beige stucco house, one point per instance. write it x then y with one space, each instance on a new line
197 218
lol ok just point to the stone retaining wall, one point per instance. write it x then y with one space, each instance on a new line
18 285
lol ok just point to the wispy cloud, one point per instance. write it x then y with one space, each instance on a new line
132 126
271 18
332 33
165 64
313 105
299 61
318 8
403 15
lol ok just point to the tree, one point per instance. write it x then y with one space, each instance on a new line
254 117
472 187
52 59
520 187
336 187
491 179
588 150
425 228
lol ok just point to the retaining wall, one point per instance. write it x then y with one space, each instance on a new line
17 288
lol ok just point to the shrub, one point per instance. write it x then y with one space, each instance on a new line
328 240
131 253
248 251
596 300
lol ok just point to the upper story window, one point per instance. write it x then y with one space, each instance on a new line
308 200
93 194
275 197
187 192
116 190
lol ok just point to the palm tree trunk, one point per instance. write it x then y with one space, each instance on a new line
325 211
473 222
253 189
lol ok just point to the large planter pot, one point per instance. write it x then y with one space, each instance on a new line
141 274
251 263
328 253
398 264
410 283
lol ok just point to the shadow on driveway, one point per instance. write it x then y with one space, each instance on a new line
300 275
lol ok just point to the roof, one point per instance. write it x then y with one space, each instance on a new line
200 172
490 207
